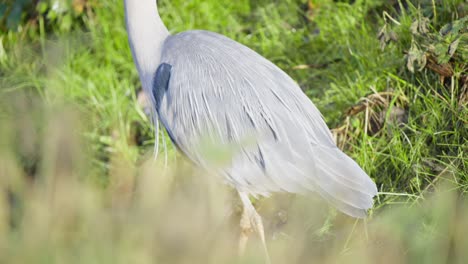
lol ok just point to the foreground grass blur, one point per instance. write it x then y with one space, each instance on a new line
78 182
59 215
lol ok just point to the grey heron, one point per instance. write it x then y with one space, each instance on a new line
207 86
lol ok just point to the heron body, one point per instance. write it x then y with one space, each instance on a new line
207 87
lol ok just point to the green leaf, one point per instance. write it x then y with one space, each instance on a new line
52 15
441 52
42 7
67 22
460 26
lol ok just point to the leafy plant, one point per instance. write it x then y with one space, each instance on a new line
53 15
12 13
440 51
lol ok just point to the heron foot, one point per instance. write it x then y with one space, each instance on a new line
245 231
250 222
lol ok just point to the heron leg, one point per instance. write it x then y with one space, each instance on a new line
251 221
245 231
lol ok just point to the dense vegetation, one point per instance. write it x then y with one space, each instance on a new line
77 176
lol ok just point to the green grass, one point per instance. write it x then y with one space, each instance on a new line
75 154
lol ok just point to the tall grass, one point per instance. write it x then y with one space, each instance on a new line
153 214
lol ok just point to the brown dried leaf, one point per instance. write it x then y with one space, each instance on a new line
420 26
444 70
311 10
356 109
301 67
376 107
78 6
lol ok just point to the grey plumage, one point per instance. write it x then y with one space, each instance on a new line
224 94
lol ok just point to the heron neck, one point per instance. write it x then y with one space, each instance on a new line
146 34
